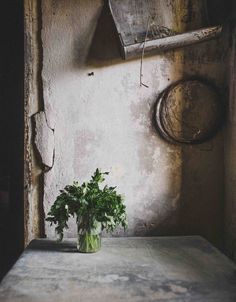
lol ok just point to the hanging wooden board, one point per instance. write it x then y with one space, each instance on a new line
150 24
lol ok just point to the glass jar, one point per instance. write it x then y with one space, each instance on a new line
89 237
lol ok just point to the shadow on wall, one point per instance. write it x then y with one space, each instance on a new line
202 190
104 48
219 11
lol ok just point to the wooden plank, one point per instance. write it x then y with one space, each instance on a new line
168 43
157 23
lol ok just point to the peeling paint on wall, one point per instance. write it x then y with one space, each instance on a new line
44 140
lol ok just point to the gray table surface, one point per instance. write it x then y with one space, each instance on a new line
126 269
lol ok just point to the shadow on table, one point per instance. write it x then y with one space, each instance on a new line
53 245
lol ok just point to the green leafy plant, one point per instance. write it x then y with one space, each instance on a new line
95 209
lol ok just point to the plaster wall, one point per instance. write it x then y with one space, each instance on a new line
101 117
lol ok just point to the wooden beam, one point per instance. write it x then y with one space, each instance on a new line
171 42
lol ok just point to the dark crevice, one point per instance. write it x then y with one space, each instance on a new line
11 133
40 58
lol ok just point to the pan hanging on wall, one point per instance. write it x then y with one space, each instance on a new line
189 111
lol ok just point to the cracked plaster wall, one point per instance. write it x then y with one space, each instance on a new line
104 120
44 140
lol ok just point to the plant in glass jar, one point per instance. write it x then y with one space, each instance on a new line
95 209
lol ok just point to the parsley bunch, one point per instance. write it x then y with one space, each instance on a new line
90 204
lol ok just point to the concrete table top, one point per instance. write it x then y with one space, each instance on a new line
126 269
